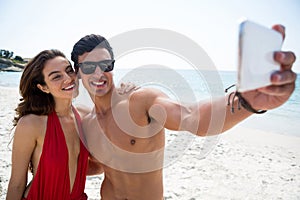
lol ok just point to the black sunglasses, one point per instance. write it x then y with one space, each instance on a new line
90 67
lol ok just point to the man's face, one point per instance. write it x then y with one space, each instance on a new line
98 83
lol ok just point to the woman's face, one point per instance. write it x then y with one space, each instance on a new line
60 78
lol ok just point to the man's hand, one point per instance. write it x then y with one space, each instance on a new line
283 82
127 88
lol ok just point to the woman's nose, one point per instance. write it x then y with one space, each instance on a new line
68 78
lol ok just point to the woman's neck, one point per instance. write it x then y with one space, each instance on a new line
64 109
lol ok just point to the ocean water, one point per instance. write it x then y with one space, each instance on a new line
192 85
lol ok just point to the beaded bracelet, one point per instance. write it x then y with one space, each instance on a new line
241 102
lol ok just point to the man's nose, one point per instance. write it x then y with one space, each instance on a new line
98 70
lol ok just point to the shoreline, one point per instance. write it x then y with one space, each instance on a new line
8 65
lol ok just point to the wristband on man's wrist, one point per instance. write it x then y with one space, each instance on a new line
241 102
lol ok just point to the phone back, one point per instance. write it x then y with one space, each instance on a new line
256 61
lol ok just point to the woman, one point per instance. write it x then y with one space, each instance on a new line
47 133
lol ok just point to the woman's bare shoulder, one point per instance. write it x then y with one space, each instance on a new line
32 119
31 124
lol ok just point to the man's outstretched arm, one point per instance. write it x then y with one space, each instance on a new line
214 116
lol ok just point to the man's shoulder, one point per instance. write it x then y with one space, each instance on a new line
145 96
146 92
83 110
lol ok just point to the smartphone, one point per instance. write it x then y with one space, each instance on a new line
257 45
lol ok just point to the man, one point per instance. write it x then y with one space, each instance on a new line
126 133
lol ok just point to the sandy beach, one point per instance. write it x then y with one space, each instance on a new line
244 164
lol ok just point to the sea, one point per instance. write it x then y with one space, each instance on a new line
194 85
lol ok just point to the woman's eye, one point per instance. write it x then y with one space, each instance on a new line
70 70
56 77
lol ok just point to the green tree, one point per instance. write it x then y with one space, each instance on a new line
6 53
19 58
11 54
2 53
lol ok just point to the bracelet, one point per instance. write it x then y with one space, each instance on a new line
241 102
247 106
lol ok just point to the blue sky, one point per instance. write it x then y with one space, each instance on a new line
28 27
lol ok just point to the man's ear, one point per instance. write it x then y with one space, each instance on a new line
43 88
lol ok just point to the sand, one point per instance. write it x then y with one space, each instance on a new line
244 164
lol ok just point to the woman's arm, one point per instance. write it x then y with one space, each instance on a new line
24 143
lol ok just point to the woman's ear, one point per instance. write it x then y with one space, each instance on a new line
43 88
